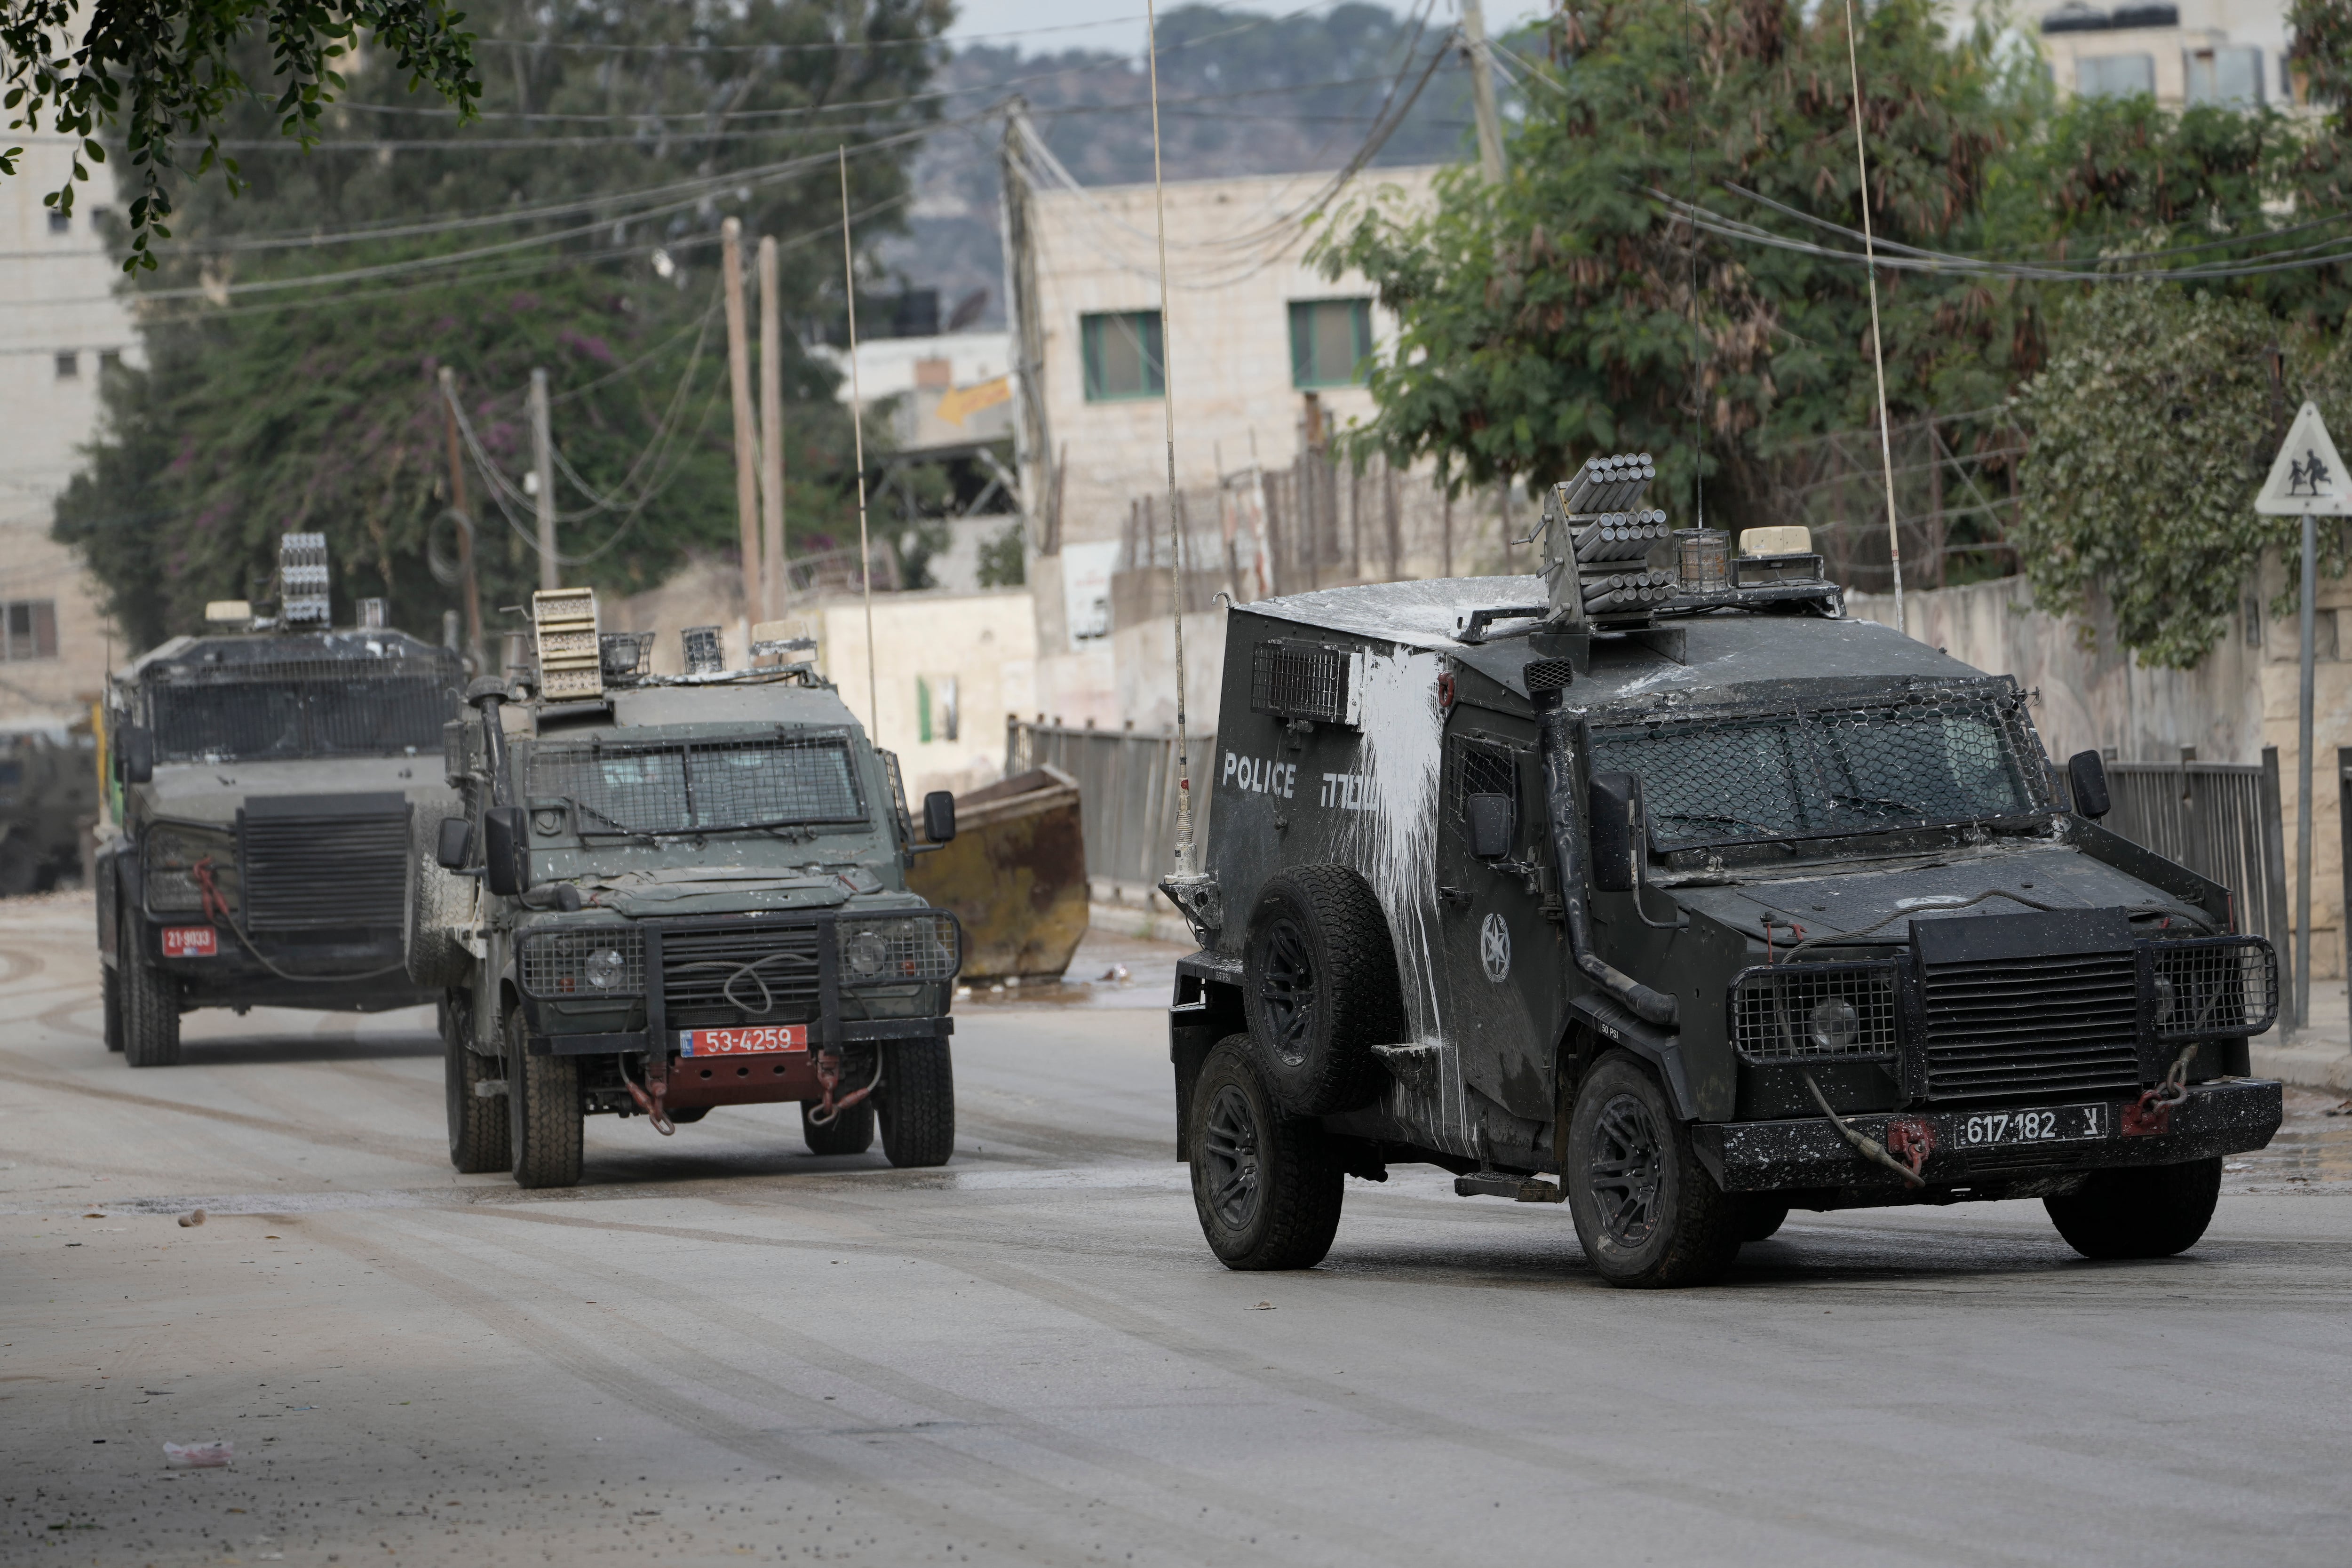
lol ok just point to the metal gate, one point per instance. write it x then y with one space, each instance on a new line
1127 793
2221 820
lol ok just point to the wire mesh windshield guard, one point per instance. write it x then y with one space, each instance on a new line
665 789
251 711
1926 757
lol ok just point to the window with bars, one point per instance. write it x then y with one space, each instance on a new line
1932 757
1475 767
1330 342
1122 355
28 629
704 786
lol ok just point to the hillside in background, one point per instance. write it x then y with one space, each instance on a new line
1240 94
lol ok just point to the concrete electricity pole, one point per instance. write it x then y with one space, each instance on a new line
746 440
772 432
471 582
1481 91
542 468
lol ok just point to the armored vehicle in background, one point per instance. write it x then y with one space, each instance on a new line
1657 874
666 893
259 786
48 800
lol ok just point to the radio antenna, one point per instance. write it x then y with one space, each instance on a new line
1877 344
858 444
1167 401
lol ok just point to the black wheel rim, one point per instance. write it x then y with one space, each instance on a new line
1285 989
1624 1170
1229 1153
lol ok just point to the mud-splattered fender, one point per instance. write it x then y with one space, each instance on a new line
1614 1025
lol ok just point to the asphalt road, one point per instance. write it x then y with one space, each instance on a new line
721 1349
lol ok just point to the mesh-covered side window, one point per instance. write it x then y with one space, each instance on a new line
1937 757
703 787
1478 767
1299 680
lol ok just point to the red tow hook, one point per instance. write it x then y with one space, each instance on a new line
828 1075
1911 1141
658 1076
215 907
2150 1116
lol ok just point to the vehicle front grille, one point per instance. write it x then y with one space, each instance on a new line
2054 1025
314 873
765 973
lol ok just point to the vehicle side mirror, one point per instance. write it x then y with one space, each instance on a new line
1490 826
135 743
456 844
2086 775
505 844
1618 831
939 816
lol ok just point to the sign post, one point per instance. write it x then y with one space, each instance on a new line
2307 477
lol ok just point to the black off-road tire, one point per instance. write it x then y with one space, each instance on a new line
546 1116
2147 1211
111 994
1758 1218
850 1131
917 1109
479 1138
1320 983
1266 1185
1646 1211
151 1006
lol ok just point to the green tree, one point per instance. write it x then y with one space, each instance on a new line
2152 427
152 71
293 336
1568 310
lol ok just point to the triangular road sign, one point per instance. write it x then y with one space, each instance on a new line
2308 476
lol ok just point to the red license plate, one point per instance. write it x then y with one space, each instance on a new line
191 941
759 1041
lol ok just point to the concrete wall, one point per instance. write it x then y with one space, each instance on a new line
60 299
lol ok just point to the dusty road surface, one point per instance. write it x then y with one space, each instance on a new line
720 1349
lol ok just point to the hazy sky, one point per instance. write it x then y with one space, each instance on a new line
1119 23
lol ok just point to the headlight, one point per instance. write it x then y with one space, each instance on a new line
1831 1024
584 961
172 854
882 950
2214 986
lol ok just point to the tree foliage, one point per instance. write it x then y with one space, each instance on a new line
1570 310
2153 427
261 408
150 72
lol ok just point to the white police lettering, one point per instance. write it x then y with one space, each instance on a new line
1261 775
1349 791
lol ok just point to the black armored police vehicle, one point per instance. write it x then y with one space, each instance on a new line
665 893
1656 874
259 785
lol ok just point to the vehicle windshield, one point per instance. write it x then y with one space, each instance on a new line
800 777
1930 758
342 708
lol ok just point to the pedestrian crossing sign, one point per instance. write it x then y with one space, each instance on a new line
2308 477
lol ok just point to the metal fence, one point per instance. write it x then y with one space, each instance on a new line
1127 792
2221 820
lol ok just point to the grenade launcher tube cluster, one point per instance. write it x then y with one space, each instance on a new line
1556 734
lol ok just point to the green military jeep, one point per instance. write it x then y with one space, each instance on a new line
1657 874
668 893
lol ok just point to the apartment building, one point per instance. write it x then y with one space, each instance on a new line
2197 51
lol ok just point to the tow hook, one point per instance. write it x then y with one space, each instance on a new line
828 1075
658 1076
2150 1116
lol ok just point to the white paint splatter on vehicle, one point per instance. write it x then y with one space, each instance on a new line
1394 845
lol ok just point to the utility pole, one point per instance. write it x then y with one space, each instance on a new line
1481 91
772 432
746 440
542 468
467 578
